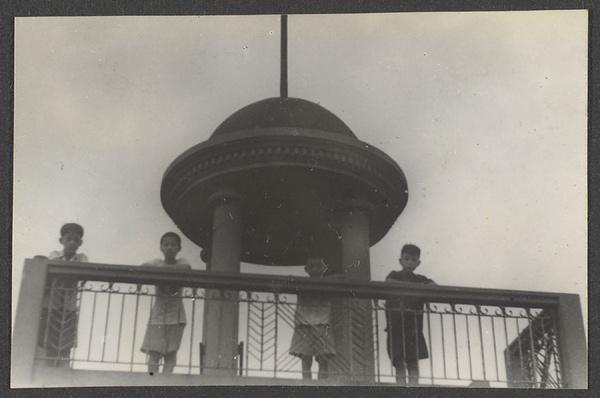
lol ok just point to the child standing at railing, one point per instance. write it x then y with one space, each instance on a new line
167 318
57 333
405 342
312 332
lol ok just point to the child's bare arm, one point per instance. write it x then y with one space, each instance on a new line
395 280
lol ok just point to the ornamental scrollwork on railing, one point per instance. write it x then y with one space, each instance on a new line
515 312
193 293
222 295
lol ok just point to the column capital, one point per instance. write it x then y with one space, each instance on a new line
223 197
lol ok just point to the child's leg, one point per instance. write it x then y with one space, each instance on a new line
400 373
53 356
170 360
323 367
413 372
306 365
153 358
64 358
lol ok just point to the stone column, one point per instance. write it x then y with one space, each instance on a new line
572 342
221 308
27 320
353 318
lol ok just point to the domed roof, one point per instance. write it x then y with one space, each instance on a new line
284 112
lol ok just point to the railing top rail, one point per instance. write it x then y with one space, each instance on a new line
337 287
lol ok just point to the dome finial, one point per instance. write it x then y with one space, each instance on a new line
283 87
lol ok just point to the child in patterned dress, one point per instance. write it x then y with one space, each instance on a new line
167 318
312 332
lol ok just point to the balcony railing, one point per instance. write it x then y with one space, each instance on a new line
92 318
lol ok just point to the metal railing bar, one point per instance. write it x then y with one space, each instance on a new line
443 346
106 320
251 328
508 364
557 363
51 294
532 348
495 349
478 309
520 347
92 326
376 332
431 342
194 294
452 307
254 356
137 302
469 347
299 285
120 326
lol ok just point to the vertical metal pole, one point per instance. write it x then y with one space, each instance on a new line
520 350
284 88
50 305
194 294
507 364
479 312
495 348
378 359
453 308
106 321
403 347
120 326
262 333
428 309
469 347
137 302
249 295
557 364
201 357
92 325
241 355
276 340
533 373
443 346
545 345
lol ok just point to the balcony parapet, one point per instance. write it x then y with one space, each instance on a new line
521 325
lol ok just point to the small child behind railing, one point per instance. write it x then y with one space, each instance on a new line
167 318
312 333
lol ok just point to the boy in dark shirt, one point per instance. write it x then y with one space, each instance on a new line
405 342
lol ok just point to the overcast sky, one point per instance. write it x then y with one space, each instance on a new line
484 112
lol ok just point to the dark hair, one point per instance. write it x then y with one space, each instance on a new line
171 235
411 249
71 228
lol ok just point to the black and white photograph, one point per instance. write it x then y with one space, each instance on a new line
383 199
